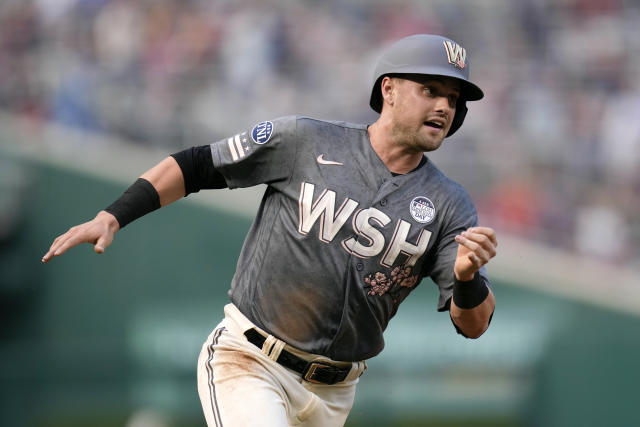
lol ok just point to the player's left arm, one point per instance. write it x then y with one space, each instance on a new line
473 302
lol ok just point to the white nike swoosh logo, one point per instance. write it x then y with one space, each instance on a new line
322 161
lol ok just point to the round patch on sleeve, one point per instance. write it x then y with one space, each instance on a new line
261 132
422 210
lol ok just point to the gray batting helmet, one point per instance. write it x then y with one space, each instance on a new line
427 54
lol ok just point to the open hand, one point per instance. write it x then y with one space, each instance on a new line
99 232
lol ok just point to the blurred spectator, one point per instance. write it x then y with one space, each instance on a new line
601 229
620 136
20 39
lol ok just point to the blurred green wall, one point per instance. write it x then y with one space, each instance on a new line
108 333
95 339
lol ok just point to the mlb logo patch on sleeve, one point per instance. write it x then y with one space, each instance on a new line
261 132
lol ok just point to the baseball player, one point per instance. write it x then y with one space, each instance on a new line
353 218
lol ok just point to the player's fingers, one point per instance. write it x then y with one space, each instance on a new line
474 247
55 245
49 254
465 240
46 257
57 241
475 260
102 243
85 233
482 240
65 236
65 245
486 231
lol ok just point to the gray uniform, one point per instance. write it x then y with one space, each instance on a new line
338 241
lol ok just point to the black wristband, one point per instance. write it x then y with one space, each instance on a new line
138 200
470 294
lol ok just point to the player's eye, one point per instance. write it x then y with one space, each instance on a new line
453 100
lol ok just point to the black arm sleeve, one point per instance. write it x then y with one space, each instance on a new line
198 171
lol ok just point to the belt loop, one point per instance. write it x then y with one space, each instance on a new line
272 347
364 366
276 349
268 344
357 369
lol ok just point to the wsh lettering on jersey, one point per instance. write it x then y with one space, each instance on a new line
367 223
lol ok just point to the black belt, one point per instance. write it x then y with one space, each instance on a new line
314 372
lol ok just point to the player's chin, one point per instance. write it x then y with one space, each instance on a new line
431 141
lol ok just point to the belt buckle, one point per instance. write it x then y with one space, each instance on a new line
311 370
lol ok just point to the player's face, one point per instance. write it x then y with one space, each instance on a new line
423 109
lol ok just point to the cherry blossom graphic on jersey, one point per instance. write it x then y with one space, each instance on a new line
400 278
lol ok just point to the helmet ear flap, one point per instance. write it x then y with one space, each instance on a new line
458 118
376 96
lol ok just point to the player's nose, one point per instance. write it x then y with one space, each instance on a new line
443 104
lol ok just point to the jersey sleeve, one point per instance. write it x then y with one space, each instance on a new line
263 154
462 216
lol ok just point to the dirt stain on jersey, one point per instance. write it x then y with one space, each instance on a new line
300 314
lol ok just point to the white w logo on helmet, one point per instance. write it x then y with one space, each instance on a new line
457 54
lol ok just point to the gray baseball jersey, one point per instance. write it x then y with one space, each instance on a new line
339 241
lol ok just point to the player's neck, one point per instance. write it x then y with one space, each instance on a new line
395 156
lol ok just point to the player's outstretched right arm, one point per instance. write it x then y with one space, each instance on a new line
159 186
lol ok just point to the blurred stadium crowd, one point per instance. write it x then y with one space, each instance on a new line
551 154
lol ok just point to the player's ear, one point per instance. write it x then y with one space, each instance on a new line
388 86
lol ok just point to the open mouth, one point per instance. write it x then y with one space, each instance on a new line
435 125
